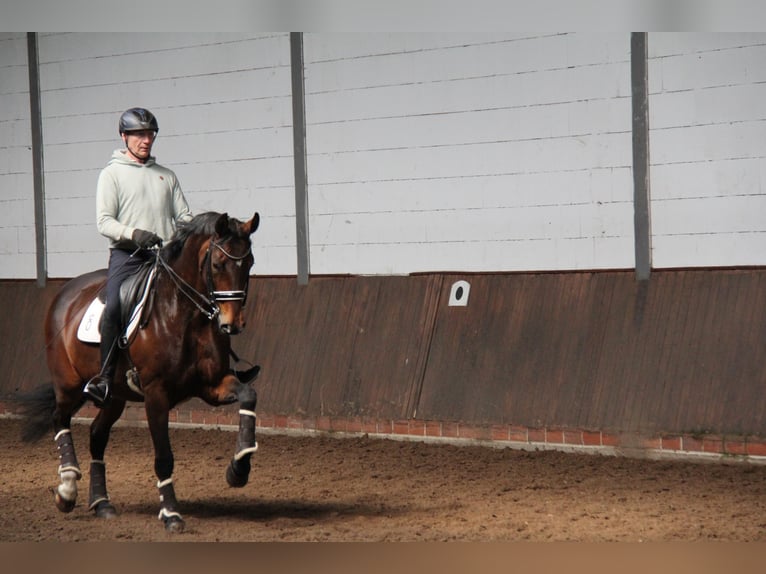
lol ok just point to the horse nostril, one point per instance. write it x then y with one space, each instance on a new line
229 329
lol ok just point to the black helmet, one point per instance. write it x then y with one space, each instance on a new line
136 119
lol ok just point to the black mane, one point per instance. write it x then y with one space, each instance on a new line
202 224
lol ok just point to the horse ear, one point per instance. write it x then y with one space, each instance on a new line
252 225
222 225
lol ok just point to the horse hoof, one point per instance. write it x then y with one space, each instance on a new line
64 505
174 524
105 510
236 480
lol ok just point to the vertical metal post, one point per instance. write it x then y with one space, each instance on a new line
641 188
38 179
299 158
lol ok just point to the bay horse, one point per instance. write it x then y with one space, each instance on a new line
180 351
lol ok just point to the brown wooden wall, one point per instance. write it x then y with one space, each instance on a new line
681 353
22 348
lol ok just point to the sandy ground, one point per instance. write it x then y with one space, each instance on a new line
322 488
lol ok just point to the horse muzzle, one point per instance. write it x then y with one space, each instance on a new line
230 329
231 321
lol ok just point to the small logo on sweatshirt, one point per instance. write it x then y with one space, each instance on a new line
162 178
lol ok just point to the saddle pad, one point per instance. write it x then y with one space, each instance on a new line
89 329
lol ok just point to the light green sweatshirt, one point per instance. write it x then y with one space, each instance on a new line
131 195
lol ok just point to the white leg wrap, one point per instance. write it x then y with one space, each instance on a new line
250 449
165 482
165 513
245 451
68 487
61 432
70 469
95 502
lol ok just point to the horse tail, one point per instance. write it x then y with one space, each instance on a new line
37 408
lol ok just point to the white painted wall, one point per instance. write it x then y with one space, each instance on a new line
708 149
17 210
426 152
473 152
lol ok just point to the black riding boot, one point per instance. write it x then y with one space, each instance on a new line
98 389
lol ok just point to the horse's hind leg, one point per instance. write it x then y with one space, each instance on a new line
46 408
98 499
69 469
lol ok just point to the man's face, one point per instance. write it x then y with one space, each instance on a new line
139 144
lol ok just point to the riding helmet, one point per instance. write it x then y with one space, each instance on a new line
137 119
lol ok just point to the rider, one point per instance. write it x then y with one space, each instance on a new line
138 204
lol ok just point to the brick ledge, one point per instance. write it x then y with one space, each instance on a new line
709 447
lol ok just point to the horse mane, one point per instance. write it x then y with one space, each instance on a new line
201 224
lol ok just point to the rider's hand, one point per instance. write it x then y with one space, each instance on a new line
146 239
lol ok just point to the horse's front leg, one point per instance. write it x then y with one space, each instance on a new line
229 390
238 470
157 417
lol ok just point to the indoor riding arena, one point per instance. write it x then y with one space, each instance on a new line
507 287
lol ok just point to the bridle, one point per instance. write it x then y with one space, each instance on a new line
216 296
208 305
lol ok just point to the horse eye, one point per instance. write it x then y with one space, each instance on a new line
217 265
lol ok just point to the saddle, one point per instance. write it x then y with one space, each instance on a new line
135 302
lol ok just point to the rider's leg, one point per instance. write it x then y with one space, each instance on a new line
99 387
121 264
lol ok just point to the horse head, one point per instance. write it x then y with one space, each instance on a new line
226 267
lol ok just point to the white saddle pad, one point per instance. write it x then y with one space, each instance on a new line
88 330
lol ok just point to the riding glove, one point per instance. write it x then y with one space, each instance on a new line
146 239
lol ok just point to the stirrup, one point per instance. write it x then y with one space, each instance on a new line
98 390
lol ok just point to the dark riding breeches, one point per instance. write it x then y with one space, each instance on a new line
121 266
